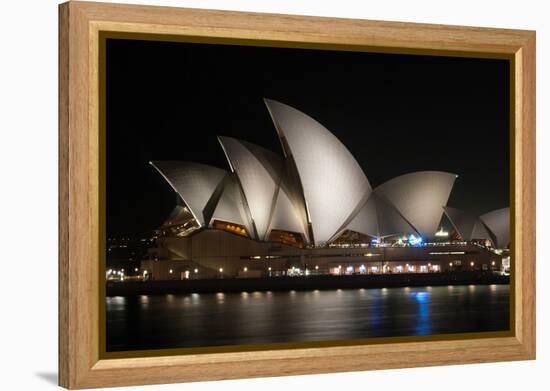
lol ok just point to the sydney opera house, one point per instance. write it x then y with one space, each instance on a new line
311 210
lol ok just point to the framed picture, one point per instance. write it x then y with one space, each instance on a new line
247 195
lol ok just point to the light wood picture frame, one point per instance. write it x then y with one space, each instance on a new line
81 195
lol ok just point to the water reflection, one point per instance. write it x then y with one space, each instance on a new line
154 322
423 326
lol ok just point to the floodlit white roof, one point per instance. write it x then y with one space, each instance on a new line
285 217
194 182
179 215
498 222
379 219
333 183
291 188
231 206
468 225
317 189
419 197
259 173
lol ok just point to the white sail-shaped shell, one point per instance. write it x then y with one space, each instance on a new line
419 198
333 183
498 222
468 225
258 171
379 219
231 206
195 183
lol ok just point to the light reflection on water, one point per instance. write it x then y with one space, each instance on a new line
423 326
214 319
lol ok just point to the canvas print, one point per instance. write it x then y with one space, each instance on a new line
269 196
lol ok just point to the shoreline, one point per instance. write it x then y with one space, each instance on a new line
322 282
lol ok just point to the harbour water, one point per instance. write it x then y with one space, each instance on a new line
218 319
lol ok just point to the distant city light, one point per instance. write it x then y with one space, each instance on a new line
471 264
316 267
221 269
171 271
245 269
196 270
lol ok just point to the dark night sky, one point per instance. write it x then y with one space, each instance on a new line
395 113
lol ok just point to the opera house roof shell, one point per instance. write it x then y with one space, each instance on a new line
316 189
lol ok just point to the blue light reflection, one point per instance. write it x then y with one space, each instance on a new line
423 325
